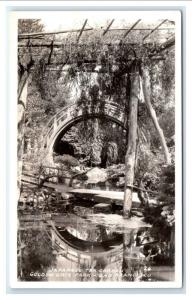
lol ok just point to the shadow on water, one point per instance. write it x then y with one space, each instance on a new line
73 243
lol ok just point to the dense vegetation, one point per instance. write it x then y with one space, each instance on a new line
77 73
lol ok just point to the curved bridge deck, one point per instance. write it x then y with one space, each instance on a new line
72 114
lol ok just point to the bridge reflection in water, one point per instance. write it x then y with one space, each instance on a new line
81 258
77 250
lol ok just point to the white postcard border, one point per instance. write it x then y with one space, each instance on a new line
12 171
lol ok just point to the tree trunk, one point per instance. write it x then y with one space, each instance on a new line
132 140
21 85
22 99
147 97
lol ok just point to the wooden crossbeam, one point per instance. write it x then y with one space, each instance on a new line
154 29
82 29
40 34
132 27
107 29
162 47
60 44
141 29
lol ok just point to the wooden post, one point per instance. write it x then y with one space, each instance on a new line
147 98
132 140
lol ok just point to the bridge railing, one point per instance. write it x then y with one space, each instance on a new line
43 174
51 121
71 111
55 171
111 255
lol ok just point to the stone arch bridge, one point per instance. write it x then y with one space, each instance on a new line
72 114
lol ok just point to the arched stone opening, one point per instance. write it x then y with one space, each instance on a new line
107 144
63 147
72 115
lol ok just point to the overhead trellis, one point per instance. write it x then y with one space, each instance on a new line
147 40
169 28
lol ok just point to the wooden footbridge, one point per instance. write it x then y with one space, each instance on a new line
96 195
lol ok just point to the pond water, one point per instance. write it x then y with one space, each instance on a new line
64 241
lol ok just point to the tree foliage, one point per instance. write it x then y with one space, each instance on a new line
96 70
37 255
30 25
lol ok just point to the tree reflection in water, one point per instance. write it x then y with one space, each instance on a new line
35 254
144 254
134 262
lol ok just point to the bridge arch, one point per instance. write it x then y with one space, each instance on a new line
70 115
80 251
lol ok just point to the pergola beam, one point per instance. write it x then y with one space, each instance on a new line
60 44
168 43
162 47
40 34
142 29
108 27
82 29
132 27
153 30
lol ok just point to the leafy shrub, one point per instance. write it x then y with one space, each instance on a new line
66 160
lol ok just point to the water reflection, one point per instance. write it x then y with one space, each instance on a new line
63 247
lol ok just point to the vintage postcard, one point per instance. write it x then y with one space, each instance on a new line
98 99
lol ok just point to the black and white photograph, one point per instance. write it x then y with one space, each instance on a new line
98 148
